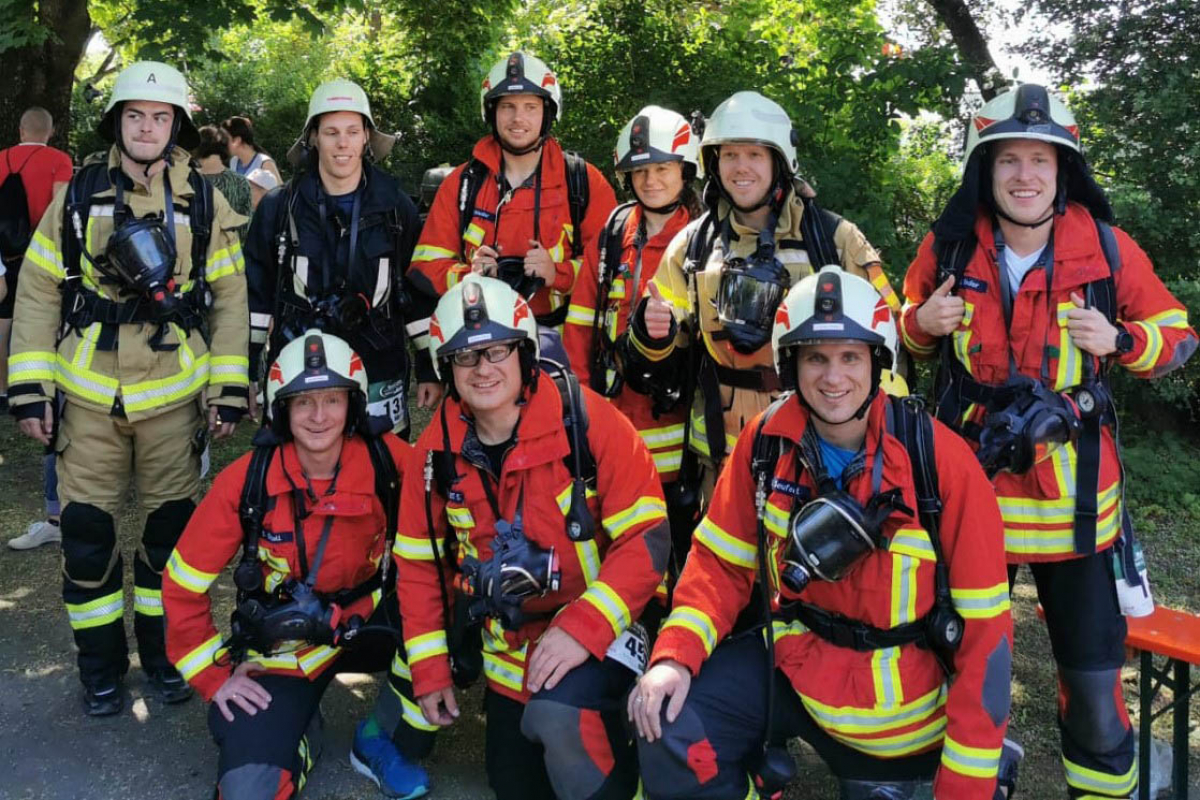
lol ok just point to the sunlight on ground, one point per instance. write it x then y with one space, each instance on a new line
141 711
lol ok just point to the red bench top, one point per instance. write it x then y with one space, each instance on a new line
1168 632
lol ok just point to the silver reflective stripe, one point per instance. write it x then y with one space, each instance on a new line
382 282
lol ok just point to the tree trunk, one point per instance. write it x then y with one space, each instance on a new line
973 48
42 74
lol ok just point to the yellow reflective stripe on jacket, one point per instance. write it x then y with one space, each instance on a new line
224 262
460 517
32 366
1062 540
199 659
667 460
425 646
694 620
1055 511
605 599
95 613
428 252
85 351
850 720
699 437
885 674
147 601
729 548
974 762
904 589
229 369
589 560
191 378
1154 347
473 235
580 315
45 254
666 436
187 576
776 519
912 542
410 711
1080 777
1070 357
983 603
962 338
85 383
899 745
504 672
312 660
563 498
645 509
413 548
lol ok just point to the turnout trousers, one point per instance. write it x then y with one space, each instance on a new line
1087 637
569 742
98 457
708 752
269 756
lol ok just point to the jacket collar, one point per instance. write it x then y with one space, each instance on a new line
178 172
791 420
487 150
677 222
1078 257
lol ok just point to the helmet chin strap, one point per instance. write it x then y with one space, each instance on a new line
1030 225
506 147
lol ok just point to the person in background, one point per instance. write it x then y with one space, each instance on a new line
246 155
212 161
43 169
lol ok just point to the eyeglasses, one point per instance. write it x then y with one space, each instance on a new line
494 354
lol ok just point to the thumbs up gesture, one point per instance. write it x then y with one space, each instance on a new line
657 314
942 312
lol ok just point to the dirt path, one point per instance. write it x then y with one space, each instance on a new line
51 751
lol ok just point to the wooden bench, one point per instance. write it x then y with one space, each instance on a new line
1174 635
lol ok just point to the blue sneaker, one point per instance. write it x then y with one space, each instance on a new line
378 759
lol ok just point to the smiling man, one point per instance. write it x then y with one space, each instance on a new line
704 329
891 632
521 209
331 248
1028 297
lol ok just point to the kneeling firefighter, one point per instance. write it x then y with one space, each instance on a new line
877 549
545 539
132 309
1028 296
704 329
313 509
331 248
658 153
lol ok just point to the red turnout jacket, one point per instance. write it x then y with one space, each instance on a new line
1038 507
663 435
886 703
443 253
606 582
214 537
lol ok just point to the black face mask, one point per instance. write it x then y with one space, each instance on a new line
1025 423
751 290
830 535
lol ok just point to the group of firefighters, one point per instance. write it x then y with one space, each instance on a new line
673 506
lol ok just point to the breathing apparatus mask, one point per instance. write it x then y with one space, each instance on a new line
830 535
518 570
293 613
511 270
1025 423
751 290
141 256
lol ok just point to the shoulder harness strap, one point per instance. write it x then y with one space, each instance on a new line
471 181
577 197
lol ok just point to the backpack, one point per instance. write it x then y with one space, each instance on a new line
15 230
252 508
476 172
610 245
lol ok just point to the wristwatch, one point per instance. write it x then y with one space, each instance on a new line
1124 341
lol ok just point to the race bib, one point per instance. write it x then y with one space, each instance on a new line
631 649
386 399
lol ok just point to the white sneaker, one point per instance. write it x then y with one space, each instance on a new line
39 533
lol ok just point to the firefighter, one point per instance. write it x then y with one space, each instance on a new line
657 152
1028 296
553 563
331 248
150 356
704 328
315 559
891 636
521 208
